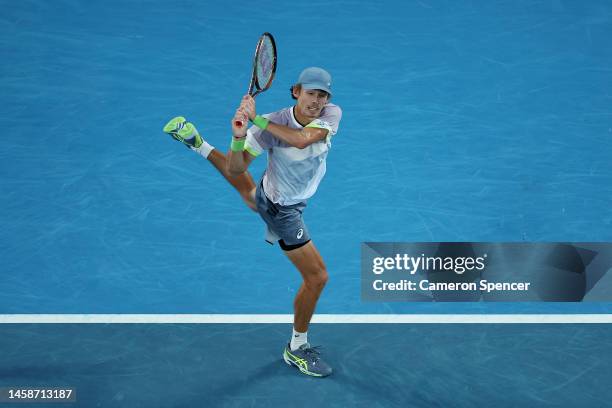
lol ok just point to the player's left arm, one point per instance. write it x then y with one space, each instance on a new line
300 138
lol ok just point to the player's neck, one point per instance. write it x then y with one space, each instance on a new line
302 120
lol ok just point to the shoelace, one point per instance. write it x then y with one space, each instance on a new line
313 352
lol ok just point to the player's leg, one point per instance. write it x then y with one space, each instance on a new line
309 263
243 183
287 222
312 268
185 132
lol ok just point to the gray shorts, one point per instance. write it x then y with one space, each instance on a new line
285 223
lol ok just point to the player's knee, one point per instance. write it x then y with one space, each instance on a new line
317 281
249 201
251 205
324 278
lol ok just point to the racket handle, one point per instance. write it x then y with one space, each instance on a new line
240 123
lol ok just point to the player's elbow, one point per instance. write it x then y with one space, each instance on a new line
234 169
302 144
234 173
309 136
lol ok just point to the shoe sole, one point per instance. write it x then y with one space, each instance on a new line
173 124
179 128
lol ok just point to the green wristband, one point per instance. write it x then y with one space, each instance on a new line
237 144
261 122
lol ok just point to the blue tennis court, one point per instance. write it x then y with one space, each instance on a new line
475 121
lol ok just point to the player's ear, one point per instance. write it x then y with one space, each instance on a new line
295 90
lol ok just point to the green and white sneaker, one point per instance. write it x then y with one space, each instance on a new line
307 359
183 131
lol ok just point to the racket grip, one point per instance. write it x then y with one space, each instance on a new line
240 123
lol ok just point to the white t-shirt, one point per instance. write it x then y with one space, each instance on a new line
293 174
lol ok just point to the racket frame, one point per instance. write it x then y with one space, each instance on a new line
254 84
255 88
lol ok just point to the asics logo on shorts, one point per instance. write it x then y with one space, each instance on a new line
300 233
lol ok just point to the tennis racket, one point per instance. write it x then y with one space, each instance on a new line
264 67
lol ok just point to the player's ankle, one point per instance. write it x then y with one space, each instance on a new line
204 150
297 339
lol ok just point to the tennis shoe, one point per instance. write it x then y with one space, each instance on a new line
183 131
308 360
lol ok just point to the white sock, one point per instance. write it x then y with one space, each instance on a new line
298 339
203 150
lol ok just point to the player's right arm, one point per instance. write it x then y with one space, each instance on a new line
239 159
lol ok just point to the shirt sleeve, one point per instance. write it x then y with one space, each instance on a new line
330 120
257 140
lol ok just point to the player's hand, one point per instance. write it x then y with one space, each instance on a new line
240 123
248 105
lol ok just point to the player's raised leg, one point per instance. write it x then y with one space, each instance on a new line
185 132
243 182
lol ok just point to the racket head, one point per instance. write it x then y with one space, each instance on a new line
264 64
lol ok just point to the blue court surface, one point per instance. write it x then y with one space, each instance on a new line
463 121
391 366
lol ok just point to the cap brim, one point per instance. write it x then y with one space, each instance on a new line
320 87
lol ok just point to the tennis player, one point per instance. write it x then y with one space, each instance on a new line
297 140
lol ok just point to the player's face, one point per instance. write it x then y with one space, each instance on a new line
310 102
